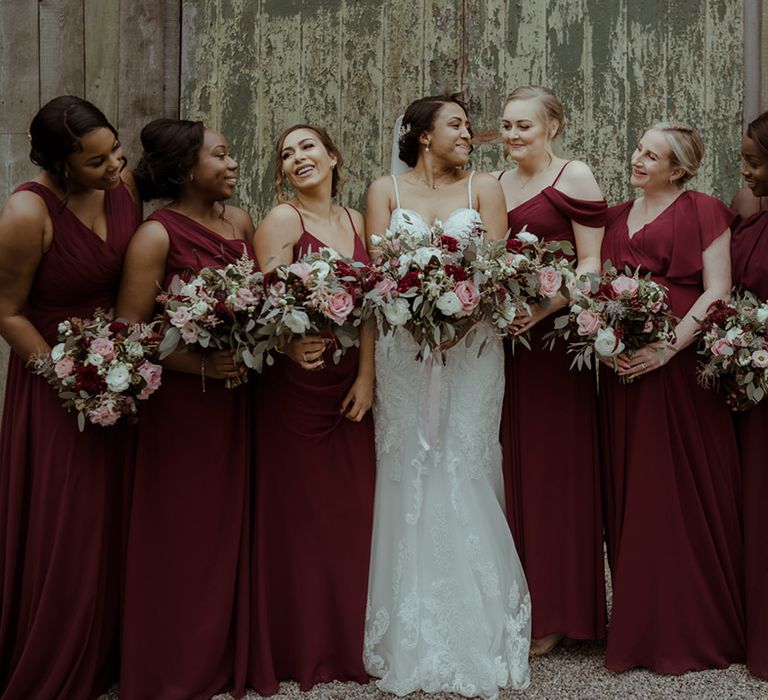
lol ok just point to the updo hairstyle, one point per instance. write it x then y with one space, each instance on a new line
757 130
418 119
171 149
56 130
337 178
551 108
686 145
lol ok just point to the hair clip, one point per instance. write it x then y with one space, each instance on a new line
405 129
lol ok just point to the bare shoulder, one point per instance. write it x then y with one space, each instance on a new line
578 181
745 203
24 211
281 222
241 219
150 234
358 220
485 183
381 186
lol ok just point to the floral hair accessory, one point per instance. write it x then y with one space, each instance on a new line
405 129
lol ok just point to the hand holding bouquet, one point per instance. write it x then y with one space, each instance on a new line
519 273
217 309
426 287
319 294
734 346
613 313
102 367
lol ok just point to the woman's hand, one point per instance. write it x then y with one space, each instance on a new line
306 351
644 360
220 364
359 398
528 319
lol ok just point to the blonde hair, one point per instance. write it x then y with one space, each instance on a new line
550 105
686 146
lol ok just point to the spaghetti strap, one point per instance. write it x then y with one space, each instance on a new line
397 193
501 174
301 218
469 190
351 223
565 165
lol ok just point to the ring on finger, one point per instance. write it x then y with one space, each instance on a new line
643 367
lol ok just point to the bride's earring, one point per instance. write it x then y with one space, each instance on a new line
426 146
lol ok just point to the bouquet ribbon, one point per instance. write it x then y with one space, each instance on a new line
429 410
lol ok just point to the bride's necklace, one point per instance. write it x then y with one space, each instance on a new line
434 185
537 173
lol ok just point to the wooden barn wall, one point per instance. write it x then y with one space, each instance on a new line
252 67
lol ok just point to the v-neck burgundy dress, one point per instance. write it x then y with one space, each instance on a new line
671 473
550 448
185 619
313 518
60 489
749 251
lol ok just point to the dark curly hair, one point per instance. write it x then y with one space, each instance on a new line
57 128
757 130
330 146
419 118
171 148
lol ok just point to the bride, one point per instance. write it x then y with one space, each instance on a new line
448 604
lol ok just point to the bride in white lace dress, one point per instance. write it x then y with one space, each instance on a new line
448 604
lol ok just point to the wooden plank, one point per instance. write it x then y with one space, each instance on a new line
484 77
526 44
568 37
102 37
19 66
321 53
143 60
764 56
62 65
721 116
606 148
16 166
361 89
199 61
444 46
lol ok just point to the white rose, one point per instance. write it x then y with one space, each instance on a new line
57 353
760 358
423 255
65 328
94 359
733 333
606 343
517 259
320 269
190 290
449 304
762 314
526 237
397 313
118 377
297 321
200 308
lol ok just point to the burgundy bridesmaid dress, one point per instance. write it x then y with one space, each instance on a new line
749 252
185 619
313 521
672 480
60 489
551 464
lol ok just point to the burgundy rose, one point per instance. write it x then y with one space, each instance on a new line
223 312
409 281
456 271
514 245
450 243
87 379
118 327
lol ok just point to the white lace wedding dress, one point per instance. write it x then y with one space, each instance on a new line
448 604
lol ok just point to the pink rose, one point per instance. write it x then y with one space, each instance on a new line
151 374
180 317
339 306
104 347
587 323
656 306
104 414
64 367
244 298
467 294
300 269
722 348
277 289
550 281
189 333
625 284
385 286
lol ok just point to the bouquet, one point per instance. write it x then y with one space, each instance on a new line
517 273
734 345
217 309
319 294
102 367
426 287
613 313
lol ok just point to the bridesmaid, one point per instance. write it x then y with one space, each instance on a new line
671 467
749 249
62 240
186 585
552 485
315 451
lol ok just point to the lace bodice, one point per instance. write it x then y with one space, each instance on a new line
463 223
